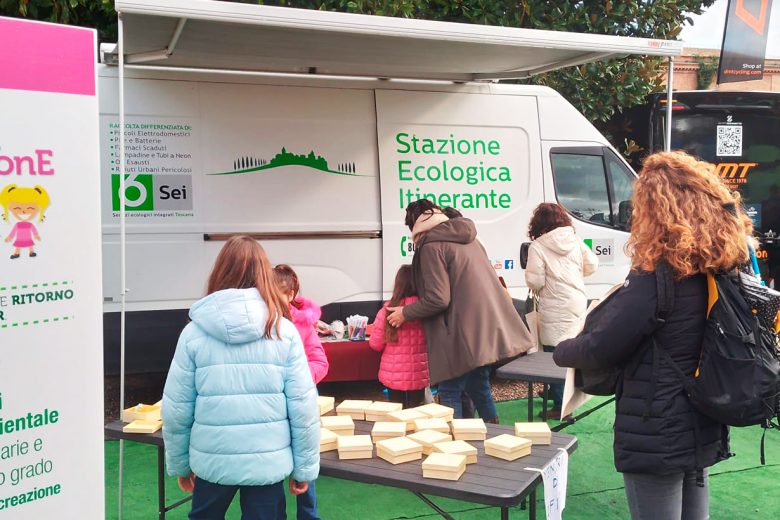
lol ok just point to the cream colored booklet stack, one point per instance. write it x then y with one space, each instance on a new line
469 429
437 410
387 430
378 410
407 416
436 424
355 447
507 447
326 404
339 424
143 412
399 450
355 408
142 426
457 448
428 438
328 440
444 466
536 432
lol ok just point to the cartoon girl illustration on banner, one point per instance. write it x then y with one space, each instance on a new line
24 204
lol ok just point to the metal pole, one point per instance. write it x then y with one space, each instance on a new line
121 197
669 88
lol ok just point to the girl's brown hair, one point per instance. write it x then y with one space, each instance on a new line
287 280
403 288
243 264
684 215
547 216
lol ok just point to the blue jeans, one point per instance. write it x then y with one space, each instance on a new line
307 504
476 384
211 501
556 390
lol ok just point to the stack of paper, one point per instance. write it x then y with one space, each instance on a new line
428 438
407 416
444 466
469 429
142 426
143 412
355 408
339 424
328 440
457 448
537 432
399 450
430 423
437 410
387 430
355 447
378 410
326 404
508 447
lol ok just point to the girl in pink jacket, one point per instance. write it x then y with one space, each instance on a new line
305 315
404 365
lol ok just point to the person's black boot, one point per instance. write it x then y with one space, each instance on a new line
14 257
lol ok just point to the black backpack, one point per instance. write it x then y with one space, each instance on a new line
737 382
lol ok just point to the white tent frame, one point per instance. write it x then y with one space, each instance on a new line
593 47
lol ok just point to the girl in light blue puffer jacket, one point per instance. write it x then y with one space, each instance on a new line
240 407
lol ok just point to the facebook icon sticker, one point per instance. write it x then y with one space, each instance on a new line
509 264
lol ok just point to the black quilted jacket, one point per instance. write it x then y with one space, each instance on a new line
656 429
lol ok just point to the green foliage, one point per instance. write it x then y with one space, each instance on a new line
708 66
597 89
97 14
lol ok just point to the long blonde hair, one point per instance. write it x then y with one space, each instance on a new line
683 214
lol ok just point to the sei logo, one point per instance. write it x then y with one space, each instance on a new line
604 248
153 192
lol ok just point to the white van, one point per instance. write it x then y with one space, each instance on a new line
270 122
320 171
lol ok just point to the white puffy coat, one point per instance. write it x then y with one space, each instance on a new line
557 263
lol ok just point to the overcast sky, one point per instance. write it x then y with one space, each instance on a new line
707 31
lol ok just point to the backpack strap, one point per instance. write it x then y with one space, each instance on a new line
664 284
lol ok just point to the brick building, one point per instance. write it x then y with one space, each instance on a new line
688 66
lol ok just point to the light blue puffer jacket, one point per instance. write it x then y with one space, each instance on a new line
240 409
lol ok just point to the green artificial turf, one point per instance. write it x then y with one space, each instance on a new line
739 487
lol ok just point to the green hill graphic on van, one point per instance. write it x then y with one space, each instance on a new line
285 158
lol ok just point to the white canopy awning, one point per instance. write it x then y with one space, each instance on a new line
207 34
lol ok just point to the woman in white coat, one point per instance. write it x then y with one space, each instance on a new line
558 261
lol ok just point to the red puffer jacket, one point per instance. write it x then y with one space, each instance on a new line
404 364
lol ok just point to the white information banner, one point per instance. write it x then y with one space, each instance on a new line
51 368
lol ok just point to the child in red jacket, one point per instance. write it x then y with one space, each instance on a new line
305 314
404 365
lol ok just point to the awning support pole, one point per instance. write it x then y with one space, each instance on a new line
669 89
162 54
122 238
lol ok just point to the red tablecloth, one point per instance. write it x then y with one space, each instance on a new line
351 361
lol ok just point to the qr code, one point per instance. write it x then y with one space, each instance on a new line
729 141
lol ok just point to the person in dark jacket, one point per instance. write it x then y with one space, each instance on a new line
686 219
468 320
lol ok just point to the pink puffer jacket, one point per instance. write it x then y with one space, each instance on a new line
404 364
304 320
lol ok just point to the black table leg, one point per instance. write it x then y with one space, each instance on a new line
504 513
444 514
532 505
530 401
161 483
544 400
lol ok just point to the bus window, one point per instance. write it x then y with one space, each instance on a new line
622 187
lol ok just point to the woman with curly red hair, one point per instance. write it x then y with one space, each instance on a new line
687 223
558 261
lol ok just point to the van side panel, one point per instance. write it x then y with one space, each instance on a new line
478 153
